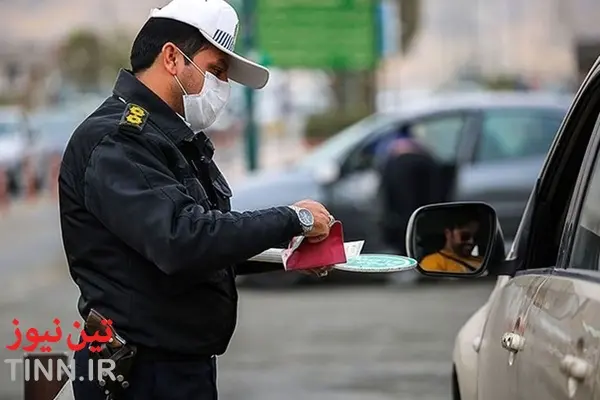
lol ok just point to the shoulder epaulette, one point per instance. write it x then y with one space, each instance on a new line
134 116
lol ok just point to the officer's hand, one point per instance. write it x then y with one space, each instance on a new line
323 220
320 272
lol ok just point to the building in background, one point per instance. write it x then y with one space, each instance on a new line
535 40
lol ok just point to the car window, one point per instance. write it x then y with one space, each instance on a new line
585 252
334 148
372 150
441 135
510 135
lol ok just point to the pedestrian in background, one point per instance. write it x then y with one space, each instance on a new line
410 178
147 227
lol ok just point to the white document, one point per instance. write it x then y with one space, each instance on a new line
279 256
66 393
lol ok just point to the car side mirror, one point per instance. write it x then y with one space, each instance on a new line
459 239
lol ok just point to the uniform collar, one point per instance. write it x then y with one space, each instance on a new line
131 90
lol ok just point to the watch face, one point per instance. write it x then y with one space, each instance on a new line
306 217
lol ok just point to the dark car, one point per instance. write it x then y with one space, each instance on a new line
495 143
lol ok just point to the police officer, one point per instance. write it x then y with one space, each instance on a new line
145 213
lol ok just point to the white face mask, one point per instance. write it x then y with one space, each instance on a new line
203 109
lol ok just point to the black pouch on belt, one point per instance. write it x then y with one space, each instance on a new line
111 352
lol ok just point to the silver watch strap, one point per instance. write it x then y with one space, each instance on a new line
305 229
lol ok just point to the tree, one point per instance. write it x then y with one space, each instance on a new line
81 59
88 60
116 54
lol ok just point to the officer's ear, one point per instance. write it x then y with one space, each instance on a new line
171 58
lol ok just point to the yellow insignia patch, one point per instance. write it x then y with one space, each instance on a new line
134 116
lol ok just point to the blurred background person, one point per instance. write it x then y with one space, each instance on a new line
410 178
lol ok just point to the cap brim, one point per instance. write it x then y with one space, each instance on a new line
242 70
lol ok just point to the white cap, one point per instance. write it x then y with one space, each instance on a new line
218 22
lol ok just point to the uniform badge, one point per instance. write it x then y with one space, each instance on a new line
134 116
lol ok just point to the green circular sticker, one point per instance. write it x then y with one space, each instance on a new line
377 263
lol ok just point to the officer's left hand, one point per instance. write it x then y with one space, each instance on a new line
320 272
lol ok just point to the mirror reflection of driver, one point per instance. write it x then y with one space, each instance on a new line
457 254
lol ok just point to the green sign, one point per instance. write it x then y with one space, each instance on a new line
378 263
336 34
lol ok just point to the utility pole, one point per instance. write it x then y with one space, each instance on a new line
251 130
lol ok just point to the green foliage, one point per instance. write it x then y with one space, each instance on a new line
503 82
116 54
323 126
8 100
80 59
88 60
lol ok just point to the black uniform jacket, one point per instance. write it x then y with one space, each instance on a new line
147 228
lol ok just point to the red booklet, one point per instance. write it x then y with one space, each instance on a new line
302 254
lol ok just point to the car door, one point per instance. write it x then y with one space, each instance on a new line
498 366
564 328
353 197
535 329
508 155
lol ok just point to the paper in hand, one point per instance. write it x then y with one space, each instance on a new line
305 255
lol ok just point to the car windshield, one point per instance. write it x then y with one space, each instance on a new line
336 146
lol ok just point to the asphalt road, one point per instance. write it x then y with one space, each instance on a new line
320 342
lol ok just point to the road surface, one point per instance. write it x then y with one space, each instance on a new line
316 342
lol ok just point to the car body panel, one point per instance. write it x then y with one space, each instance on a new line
467 345
561 305
563 322
507 192
464 355
496 371
351 200
275 188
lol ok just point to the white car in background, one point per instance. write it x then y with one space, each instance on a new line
15 140
52 129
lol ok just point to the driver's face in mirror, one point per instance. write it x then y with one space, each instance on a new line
461 240
457 247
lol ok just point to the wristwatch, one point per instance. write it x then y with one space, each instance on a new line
307 220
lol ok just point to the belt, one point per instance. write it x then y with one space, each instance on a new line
155 354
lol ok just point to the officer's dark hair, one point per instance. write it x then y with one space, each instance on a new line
158 31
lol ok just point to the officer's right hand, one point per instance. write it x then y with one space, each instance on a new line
322 218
